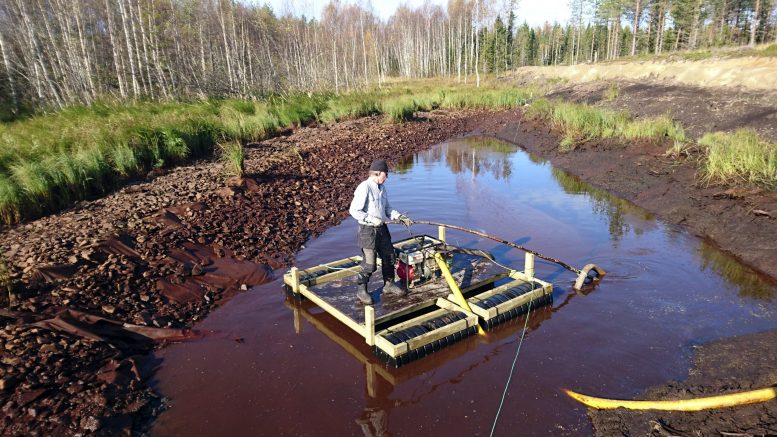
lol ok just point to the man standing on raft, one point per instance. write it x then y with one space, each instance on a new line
371 209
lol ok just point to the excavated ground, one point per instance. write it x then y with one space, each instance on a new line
100 285
739 220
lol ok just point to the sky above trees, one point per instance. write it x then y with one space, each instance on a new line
533 12
55 53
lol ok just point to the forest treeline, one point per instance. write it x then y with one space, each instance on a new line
57 53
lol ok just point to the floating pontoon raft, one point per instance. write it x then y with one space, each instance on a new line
452 293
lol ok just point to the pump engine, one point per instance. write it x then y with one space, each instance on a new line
416 263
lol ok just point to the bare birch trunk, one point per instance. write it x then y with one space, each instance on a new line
696 24
9 73
138 61
58 67
130 55
334 63
87 61
677 40
593 40
660 27
155 53
143 41
364 48
459 50
477 44
637 12
755 21
226 48
43 81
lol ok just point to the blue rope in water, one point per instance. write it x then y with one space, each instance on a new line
504 394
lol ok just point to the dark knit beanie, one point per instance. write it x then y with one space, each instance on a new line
379 165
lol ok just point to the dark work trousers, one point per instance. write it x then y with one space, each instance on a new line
376 241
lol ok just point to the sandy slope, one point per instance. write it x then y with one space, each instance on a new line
757 73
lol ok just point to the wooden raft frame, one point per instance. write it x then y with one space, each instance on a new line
300 281
518 278
445 307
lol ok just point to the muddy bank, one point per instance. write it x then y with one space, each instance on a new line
99 286
163 253
698 109
740 221
728 366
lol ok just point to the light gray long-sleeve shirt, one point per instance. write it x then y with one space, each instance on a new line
370 202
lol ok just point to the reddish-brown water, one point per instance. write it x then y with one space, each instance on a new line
269 367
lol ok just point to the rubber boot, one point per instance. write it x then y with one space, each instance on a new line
362 295
391 288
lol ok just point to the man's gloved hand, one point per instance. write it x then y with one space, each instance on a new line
405 220
374 221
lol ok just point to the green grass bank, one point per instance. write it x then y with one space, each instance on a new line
50 161
728 158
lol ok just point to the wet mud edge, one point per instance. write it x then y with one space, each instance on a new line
100 286
157 238
737 220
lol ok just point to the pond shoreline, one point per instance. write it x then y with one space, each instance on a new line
116 256
154 254
736 220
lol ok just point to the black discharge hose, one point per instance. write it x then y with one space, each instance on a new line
499 240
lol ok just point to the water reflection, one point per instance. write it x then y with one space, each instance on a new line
474 155
403 165
665 291
479 155
381 380
604 204
618 213
749 282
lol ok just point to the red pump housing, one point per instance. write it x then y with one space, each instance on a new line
405 272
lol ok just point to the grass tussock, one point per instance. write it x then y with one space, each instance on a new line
49 161
232 156
740 157
581 123
612 92
654 128
400 110
769 51
351 106
730 158
6 286
494 99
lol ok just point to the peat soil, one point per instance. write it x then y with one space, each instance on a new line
699 109
99 286
739 220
